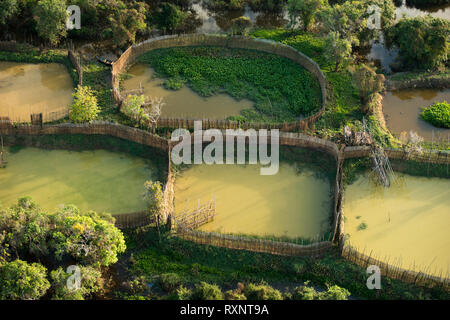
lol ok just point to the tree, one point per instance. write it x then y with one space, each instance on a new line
241 25
84 107
368 82
170 17
423 42
7 9
26 226
22 281
88 237
89 284
51 17
126 20
153 109
306 10
154 196
132 107
337 49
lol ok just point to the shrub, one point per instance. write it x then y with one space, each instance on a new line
262 291
181 293
206 291
304 293
23 281
88 285
84 107
132 108
438 114
423 41
169 281
334 293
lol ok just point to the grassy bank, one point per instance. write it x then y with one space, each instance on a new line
193 263
343 103
281 89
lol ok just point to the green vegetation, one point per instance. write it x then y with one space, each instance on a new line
53 239
438 114
282 90
84 107
21 280
51 16
194 263
423 41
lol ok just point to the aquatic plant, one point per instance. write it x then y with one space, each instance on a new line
261 77
438 114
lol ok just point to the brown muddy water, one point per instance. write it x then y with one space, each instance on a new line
97 180
407 224
34 88
402 111
286 204
183 103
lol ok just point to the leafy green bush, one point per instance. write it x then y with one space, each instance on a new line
423 41
206 291
22 281
84 107
438 114
334 293
89 284
262 291
169 281
304 292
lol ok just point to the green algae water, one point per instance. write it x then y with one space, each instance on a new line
406 224
97 180
287 204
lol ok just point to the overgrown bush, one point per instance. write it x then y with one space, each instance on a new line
22 281
206 291
262 291
423 41
169 281
438 114
84 107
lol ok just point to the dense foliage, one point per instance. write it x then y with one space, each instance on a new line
84 107
423 41
194 263
68 236
21 280
438 114
281 89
